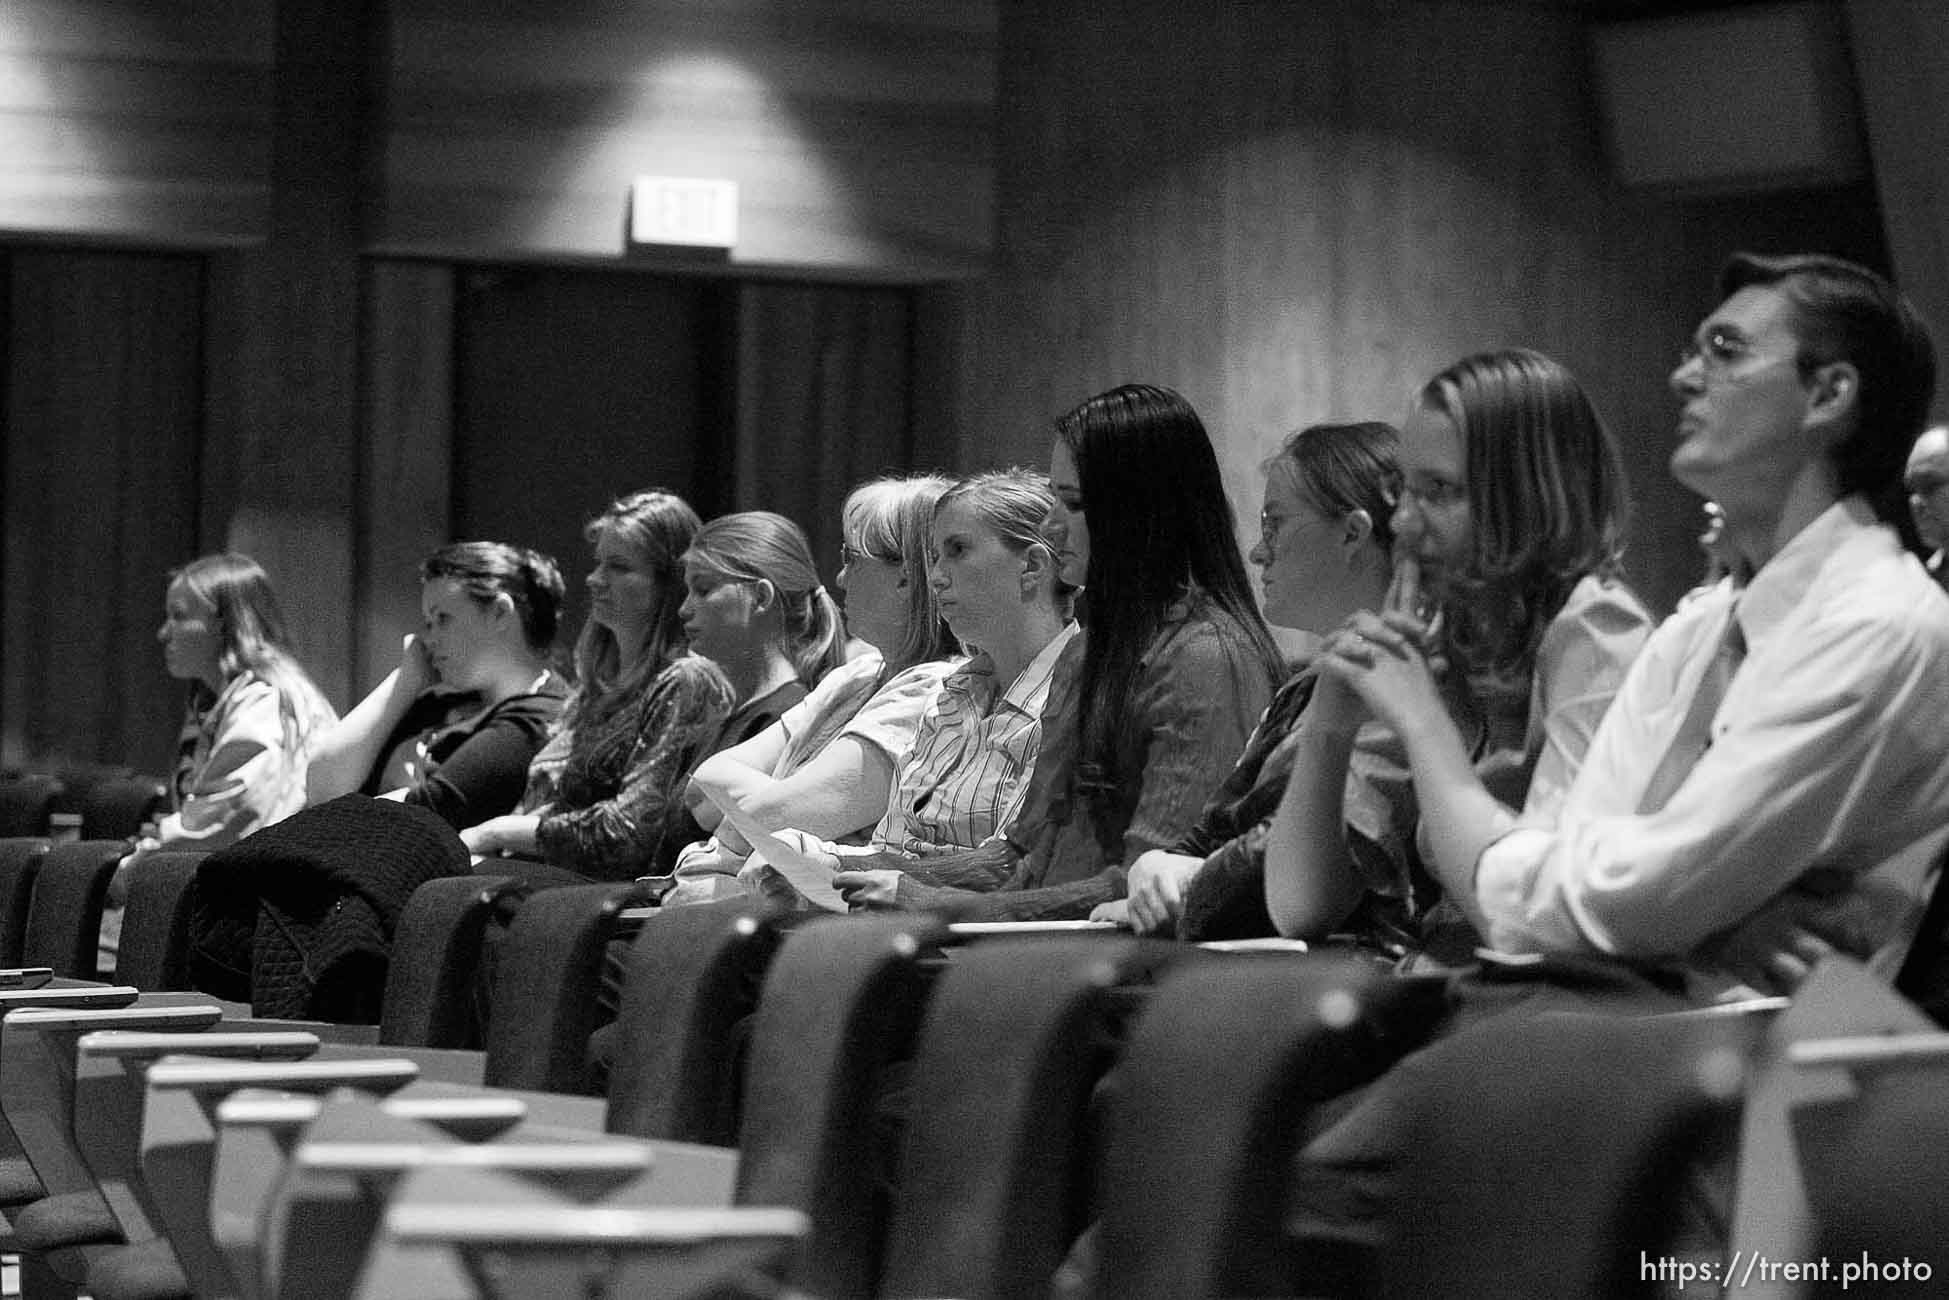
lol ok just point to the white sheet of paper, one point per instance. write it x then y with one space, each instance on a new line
810 874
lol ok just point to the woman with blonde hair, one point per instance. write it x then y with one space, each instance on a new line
1508 536
604 793
252 718
827 765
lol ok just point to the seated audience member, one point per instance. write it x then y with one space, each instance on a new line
1173 669
1770 777
1927 480
1507 538
454 727
995 581
605 790
827 765
1784 724
253 716
754 606
1324 545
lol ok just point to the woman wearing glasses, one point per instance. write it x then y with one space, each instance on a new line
1505 633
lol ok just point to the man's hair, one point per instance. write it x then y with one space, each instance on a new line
1845 312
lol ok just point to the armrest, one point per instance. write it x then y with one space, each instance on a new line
210 1078
466 1119
53 1019
580 1170
126 1046
544 1226
1871 1052
101 995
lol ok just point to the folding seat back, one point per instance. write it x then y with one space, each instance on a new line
693 980
994 1171
1545 1154
64 920
544 1005
115 806
430 990
1207 1109
20 863
154 951
841 1003
26 802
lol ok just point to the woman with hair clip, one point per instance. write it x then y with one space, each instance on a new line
603 793
827 765
1175 666
1507 542
252 719
454 727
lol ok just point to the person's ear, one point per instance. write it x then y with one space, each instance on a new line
1038 567
1835 393
502 606
1356 526
763 595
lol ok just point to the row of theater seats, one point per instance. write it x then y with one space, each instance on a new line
98 803
886 1106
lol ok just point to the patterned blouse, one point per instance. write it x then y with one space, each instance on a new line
609 789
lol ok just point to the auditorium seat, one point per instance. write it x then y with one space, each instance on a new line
1208 1108
153 953
27 801
64 918
116 805
20 863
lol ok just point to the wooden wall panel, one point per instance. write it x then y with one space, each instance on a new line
281 439
823 401
859 131
103 389
405 491
1298 212
1901 54
132 121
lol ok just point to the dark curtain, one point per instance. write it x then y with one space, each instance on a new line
103 406
824 400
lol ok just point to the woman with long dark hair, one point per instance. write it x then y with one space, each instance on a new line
1175 666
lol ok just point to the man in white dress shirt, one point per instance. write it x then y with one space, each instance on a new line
1819 764
1773 775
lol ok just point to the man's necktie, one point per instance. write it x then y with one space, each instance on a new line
1694 735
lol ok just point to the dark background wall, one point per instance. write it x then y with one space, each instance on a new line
236 317
1296 213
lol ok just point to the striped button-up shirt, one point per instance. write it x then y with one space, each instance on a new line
969 768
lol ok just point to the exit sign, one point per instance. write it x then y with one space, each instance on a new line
683 210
